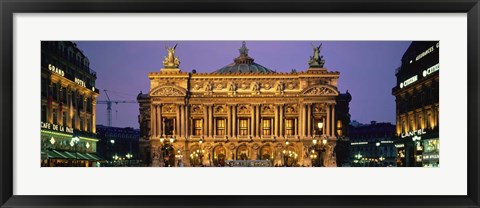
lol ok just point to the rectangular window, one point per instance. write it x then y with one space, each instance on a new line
54 113
289 127
89 126
220 127
64 95
44 113
243 124
267 127
73 121
197 127
81 124
64 119
55 92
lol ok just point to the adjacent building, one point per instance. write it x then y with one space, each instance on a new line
417 100
372 145
241 112
68 98
119 146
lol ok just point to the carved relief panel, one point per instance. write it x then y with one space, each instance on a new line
221 109
196 109
268 109
244 109
169 108
291 109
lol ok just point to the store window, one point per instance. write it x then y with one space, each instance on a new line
243 127
220 126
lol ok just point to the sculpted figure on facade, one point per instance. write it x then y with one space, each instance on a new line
171 61
280 88
232 89
316 61
208 88
255 88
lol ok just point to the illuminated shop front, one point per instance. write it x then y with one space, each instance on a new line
243 114
417 111
68 100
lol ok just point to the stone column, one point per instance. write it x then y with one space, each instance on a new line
309 120
300 120
333 120
324 120
182 120
327 125
152 120
257 122
234 120
229 121
211 122
159 124
205 120
177 121
187 122
276 121
252 120
281 121
295 129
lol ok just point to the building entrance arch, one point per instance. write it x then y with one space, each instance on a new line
219 156
242 152
168 155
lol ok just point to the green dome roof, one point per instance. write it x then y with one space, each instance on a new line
244 64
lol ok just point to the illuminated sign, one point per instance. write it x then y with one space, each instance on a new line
409 81
399 145
80 82
56 127
423 54
358 143
56 70
414 133
430 70
434 156
386 142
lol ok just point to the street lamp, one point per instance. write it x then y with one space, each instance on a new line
74 142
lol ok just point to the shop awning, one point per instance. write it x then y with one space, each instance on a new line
58 154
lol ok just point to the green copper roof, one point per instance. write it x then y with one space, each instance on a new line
243 64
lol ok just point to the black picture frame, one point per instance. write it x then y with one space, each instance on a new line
10 7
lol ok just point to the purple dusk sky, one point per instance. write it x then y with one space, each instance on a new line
367 69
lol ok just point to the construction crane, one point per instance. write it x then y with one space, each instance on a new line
109 106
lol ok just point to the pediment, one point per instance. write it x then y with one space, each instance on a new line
324 90
168 90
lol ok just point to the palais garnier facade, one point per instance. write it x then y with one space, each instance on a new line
243 114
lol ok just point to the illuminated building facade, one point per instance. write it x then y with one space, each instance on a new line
417 100
68 97
372 145
241 112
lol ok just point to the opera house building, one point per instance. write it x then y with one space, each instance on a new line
243 114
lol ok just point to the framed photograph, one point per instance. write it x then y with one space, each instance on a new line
245 104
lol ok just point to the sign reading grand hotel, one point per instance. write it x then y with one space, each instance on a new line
56 70
56 127
414 133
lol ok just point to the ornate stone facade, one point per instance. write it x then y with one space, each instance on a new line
235 115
